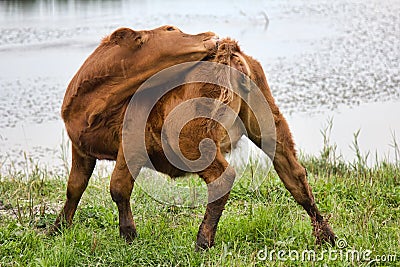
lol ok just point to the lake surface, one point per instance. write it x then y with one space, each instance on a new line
322 59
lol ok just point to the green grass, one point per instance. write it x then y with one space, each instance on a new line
363 204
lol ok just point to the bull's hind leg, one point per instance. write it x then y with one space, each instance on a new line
219 177
121 185
294 176
81 170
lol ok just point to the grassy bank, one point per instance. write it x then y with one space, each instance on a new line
363 204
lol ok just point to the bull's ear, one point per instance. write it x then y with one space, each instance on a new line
126 37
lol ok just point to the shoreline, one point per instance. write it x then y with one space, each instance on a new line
376 139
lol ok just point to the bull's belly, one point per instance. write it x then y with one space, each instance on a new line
159 162
100 142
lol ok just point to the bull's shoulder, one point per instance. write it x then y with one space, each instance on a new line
97 70
79 90
105 68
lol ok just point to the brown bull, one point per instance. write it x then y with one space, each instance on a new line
97 134
97 96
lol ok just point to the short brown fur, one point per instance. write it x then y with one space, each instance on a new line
103 123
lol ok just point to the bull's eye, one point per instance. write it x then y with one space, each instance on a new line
170 29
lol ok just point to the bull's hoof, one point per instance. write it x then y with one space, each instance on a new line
323 232
203 243
128 233
55 229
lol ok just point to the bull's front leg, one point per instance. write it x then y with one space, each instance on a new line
81 169
219 177
290 171
121 185
294 176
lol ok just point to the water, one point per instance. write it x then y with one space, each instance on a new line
322 59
